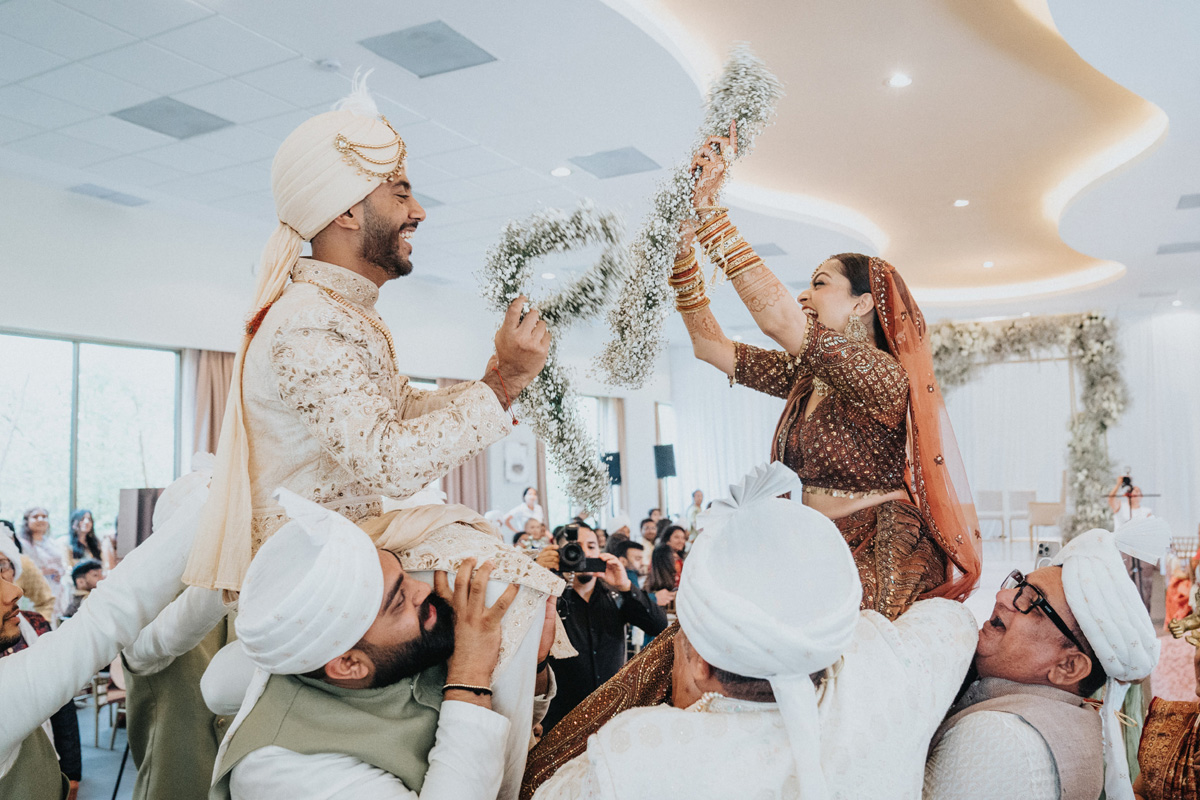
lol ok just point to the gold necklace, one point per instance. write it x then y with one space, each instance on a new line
377 325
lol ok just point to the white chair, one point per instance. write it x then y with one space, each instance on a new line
1018 501
1047 515
989 507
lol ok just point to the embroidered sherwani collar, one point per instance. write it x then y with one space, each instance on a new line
350 285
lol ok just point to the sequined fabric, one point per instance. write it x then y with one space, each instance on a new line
897 559
644 681
1169 755
853 444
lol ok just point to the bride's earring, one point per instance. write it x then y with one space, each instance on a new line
856 331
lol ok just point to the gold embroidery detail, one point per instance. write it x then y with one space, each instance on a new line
352 150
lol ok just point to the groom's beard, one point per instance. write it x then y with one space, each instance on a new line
396 662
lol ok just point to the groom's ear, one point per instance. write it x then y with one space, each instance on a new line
352 665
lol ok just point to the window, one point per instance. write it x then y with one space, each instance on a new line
80 421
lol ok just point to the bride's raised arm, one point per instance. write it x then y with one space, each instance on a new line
775 310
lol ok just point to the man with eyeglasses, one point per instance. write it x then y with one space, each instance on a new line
1024 726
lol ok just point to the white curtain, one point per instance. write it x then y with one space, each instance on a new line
1159 436
721 432
1011 422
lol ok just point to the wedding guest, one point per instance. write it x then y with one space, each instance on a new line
47 553
84 542
528 508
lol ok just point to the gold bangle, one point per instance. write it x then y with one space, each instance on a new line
749 265
721 221
693 309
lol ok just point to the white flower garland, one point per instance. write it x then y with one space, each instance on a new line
549 402
746 91
961 348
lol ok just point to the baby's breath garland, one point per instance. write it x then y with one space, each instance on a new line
548 403
1089 340
746 91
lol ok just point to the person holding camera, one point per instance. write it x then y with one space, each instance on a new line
600 602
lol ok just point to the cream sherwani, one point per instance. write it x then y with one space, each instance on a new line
877 716
330 417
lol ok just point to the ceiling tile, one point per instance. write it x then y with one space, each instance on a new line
142 18
39 109
397 114
11 129
425 139
65 150
300 82
615 163
420 173
279 127
151 67
116 134
19 60
455 191
256 205
134 170
224 46
470 162
512 181
89 88
238 143
188 158
199 188
234 101
59 29
251 177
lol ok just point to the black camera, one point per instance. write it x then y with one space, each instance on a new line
571 556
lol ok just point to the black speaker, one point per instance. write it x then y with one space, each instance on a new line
664 461
613 462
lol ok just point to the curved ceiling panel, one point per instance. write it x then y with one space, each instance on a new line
1000 112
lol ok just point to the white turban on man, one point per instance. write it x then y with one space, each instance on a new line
770 591
1114 620
314 592
328 164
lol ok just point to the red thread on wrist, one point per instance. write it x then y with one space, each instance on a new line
507 399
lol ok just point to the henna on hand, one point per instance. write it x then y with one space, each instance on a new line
760 290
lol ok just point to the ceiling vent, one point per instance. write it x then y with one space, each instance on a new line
769 249
1178 247
112 196
614 163
429 49
172 118
1188 201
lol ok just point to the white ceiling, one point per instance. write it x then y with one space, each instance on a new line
570 79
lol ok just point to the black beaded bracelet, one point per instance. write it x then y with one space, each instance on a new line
482 691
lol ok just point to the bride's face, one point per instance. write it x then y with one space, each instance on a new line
830 296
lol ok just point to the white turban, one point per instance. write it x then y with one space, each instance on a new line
770 590
1115 622
312 592
618 522
324 167
8 549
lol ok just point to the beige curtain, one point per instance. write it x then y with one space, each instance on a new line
214 372
467 484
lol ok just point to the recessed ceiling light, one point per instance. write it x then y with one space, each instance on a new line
961 203
1177 303
560 172
1027 314
899 80
548 276
989 264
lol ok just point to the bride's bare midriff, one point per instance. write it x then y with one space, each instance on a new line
838 507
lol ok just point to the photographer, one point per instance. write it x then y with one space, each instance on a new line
594 610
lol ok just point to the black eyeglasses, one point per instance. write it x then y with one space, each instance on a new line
1030 597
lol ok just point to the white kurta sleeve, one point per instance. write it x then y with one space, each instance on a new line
944 636
180 627
991 755
574 780
422 401
39 680
326 380
465 764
